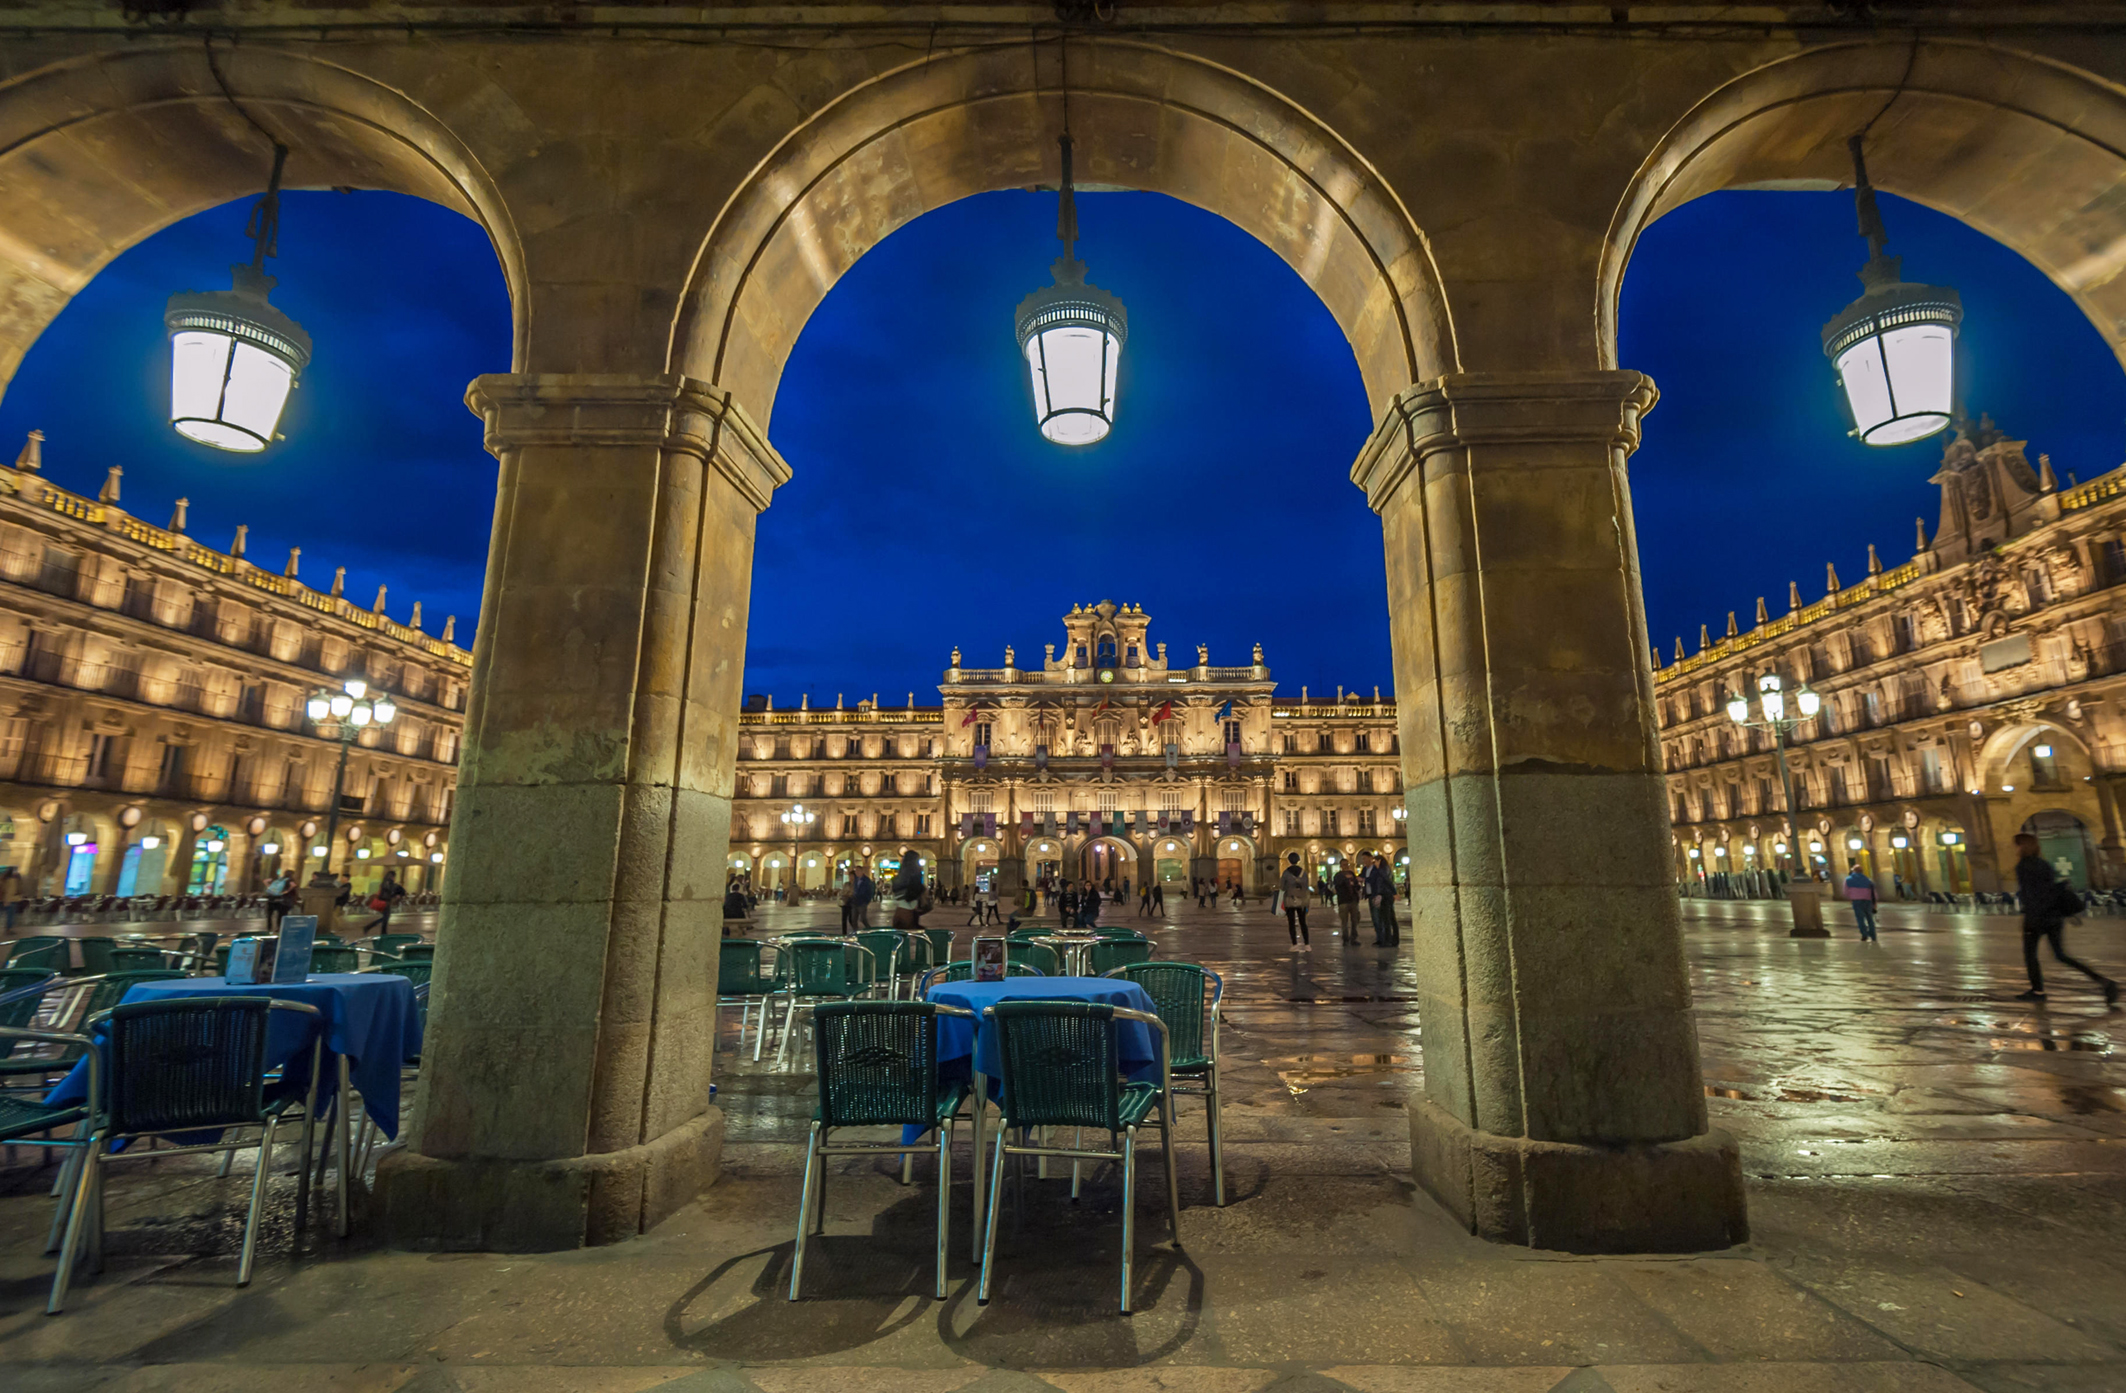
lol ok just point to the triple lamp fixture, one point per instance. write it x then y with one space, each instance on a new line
351 704
1772 702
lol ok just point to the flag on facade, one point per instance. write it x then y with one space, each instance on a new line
1232 753
1107 756
1225 823
972 712
966 824
1164 713
1173 755
1040 756
1188 822
1048 823
1247 822
1025 824
1071 823
1099 824
981 756
1225 712
989 824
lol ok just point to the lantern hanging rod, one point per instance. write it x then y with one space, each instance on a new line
1864 201
1067 204
264 229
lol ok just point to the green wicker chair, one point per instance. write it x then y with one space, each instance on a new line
96 956
331 957
136 959
389 944
27 1067
878 1067
1038 956
416 951
889 958
50 953
1177 992
940 946
741 983
1059 1069
195 1064
26 1119
1111 953
963 971
811 970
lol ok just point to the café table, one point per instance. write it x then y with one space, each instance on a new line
1074 949
968 1048
372 1027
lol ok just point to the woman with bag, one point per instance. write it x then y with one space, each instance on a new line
1292 897
911 895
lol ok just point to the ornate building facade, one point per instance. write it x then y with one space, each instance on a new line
1106 760
1974 692
152 731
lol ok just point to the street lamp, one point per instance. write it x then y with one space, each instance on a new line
233 357
342 715
1771 704
797 820
1071 335
1894 347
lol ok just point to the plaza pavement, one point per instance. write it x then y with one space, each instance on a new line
1937 1184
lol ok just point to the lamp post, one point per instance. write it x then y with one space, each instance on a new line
797 820
343 715
1771 704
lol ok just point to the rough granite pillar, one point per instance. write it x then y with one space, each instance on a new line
1563 1106
565 1079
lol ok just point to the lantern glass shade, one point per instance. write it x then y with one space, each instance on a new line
1071 336
1895 352
1774 704
234 359
1810 703
386 710
340 705
1738 708
318 708
360 714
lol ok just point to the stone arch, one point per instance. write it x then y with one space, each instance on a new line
946 127
2003 745
2027 150
85 152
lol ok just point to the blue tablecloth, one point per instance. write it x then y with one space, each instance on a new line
961 1043
369 1017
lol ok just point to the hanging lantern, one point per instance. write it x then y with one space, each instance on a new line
233 357
1894 347
1071 335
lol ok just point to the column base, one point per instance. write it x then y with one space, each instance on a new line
1798 932
1666 1197
546 1206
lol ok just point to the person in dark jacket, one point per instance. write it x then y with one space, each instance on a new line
1347 893
1860 893
2039 888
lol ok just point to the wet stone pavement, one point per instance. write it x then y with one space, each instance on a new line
1937 1180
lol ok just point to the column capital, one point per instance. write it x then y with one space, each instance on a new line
1518 409
666 410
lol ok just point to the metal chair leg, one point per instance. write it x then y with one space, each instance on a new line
1217 1139
907 1167
989 1231
69 1181
228 1158
258 1199
1077 1168
944 1198
1129 1209
804 1212
77 1216
1166 1147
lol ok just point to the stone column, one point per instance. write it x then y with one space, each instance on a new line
1563 1106
565 1080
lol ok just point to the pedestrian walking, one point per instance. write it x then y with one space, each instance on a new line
1347 894
974 908
861 895
848 904
280 898
988 896
1089 907
385 900
1860 893
912 898
1240 894
2048 902
1066 903
1144 899
1214 894
1292 898
1159 899
1199 892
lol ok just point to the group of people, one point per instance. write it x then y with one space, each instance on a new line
2047 900
1373 884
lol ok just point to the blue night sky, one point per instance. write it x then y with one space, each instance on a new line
926 511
